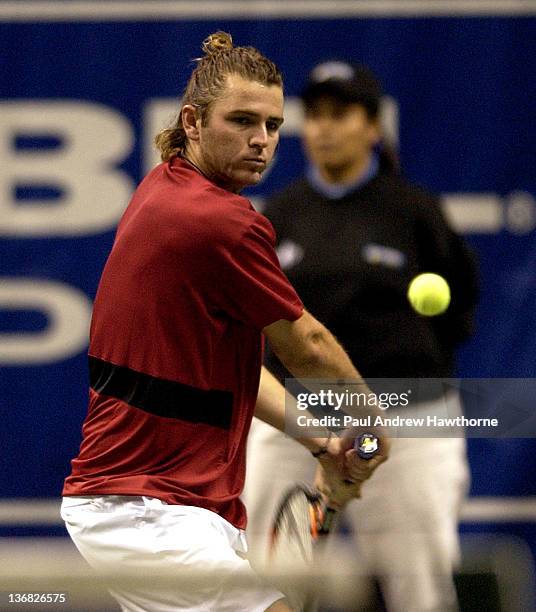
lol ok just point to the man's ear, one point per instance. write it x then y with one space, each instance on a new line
190 121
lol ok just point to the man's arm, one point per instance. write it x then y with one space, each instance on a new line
308 350
337 464
272 402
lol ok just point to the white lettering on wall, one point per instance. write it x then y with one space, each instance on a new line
92 138
68 313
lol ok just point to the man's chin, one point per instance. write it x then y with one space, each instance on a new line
249 179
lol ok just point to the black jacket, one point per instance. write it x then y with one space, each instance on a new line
351 261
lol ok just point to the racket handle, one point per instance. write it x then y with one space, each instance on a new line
366 445
328 520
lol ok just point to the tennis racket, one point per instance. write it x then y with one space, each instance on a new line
302 522
303 518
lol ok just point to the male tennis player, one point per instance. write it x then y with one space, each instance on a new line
190 287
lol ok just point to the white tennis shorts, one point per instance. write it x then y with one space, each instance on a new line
120 533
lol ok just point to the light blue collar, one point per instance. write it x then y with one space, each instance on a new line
338 191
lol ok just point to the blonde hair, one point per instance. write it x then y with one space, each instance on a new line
207 82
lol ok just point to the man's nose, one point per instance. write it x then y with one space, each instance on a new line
259 138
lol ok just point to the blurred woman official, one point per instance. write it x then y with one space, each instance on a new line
351 234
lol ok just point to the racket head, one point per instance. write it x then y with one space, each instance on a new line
295 527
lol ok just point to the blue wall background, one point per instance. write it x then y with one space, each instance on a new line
465 89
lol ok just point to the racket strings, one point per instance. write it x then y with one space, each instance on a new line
295 528
295 534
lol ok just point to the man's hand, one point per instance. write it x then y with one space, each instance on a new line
335 491
342 471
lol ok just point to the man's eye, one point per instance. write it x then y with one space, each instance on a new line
272 126
242 120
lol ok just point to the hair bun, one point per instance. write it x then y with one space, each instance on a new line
219 41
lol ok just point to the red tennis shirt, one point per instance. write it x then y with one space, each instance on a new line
176 345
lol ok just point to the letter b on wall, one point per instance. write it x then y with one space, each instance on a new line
84 144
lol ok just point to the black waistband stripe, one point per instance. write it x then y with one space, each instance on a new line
161 397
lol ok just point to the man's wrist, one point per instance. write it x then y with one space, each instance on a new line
323 448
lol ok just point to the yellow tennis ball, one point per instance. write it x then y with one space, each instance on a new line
429 294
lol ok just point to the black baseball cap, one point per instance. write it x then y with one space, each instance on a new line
349 83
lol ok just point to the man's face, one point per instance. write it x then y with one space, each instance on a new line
338 135
241 133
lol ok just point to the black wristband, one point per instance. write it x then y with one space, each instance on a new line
324 449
